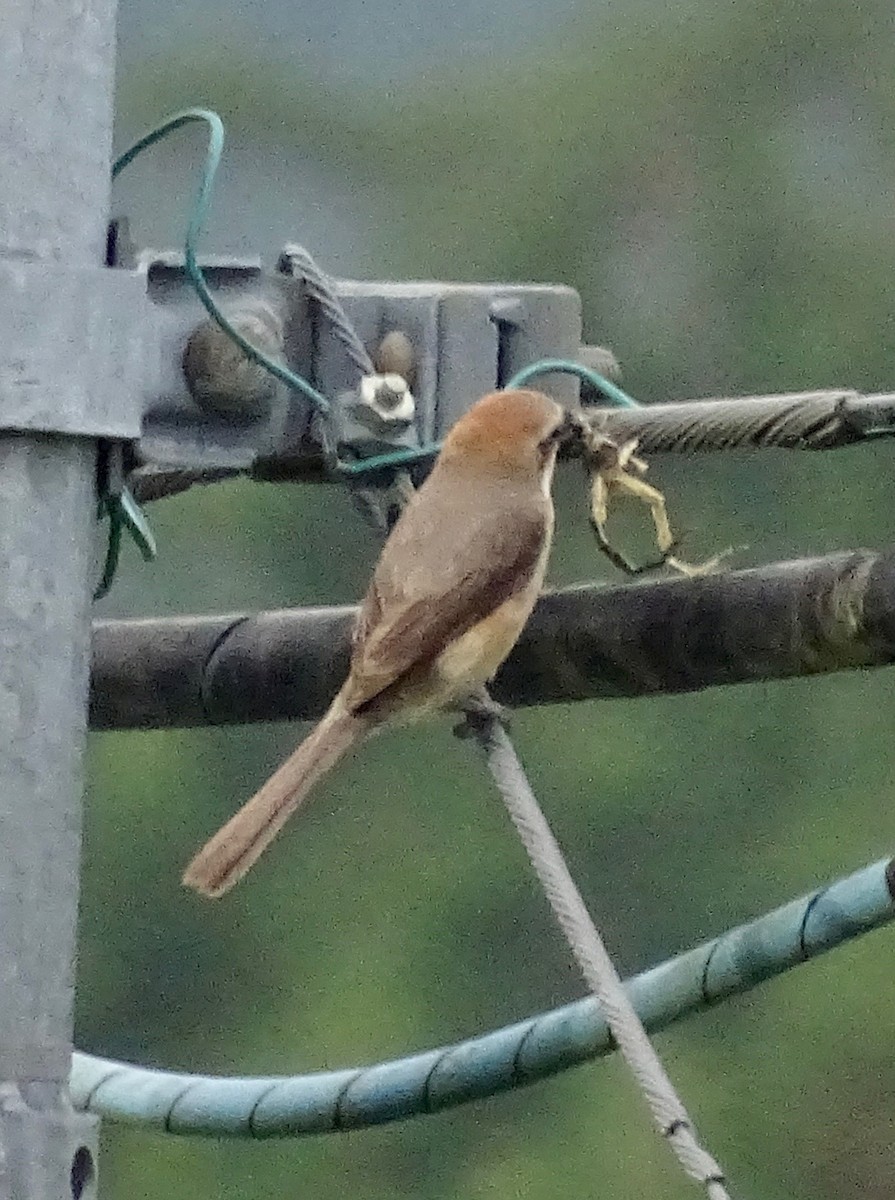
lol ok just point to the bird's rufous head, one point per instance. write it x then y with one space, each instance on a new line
507 433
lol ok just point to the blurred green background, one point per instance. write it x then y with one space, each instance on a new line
717 181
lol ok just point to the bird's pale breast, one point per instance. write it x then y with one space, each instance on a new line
474 657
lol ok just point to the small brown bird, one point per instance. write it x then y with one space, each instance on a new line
454 585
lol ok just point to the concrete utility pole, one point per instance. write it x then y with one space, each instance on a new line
69 349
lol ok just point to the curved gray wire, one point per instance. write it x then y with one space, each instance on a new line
319 287
329 1101
373 503
598 969
795 421
801 421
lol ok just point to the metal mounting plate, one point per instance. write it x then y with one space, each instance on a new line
467 339
76 356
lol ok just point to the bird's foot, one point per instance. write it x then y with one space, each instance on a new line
479 711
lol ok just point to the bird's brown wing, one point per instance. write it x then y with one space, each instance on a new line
448 563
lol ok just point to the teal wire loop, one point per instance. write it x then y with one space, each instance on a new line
565 366
387 462
121 509
544 366
198 213
520 1054
390 461
116 504
352 469
123 513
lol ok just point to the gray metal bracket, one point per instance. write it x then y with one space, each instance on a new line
212 409
76 356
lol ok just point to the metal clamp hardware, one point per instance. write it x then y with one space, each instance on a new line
465 339
63 326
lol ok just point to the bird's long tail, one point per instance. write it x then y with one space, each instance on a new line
226 857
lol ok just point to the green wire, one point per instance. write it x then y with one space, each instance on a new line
198 213
108 506
393 458
564 366
544 366
123 511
